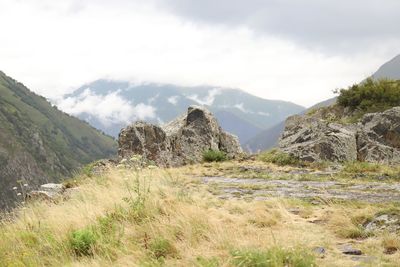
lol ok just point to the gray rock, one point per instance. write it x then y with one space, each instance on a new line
384 222
349 250
313 139
47 192
319 250
376 138
179 142
379 137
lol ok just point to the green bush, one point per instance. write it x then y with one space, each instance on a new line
82 242
274 257
214 155
162 248
371 96
277 157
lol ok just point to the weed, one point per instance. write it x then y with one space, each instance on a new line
274 257
82 242
278 157
162 248
214 156
207 262
361 167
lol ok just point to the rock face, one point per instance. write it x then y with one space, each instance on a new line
312 139
379 137
179 142
376 138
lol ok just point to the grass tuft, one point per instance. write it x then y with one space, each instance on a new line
278 157
82 242
274 257
214 156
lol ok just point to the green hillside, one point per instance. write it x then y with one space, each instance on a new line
39 143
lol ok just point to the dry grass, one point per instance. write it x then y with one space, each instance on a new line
155 217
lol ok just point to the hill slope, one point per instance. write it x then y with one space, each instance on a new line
39 143
390 70
161 103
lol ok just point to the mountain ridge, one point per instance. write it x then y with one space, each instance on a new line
39 143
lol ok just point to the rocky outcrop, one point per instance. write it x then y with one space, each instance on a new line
376 138
179 142
313 139
379 137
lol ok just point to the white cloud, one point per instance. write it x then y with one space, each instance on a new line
241 108
173 100
266 114
108 109
73 42
208 100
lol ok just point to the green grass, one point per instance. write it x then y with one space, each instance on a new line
362 167
162 248
82 242
278 157
274 257
214 156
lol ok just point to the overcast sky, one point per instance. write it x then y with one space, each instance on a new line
296 50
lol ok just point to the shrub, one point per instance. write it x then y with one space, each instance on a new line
162 248
82 242
274 257
214 155
278 157
371 96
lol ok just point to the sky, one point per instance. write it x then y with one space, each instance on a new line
294 50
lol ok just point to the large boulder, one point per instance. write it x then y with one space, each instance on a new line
376 138
312 139
379 137
179 142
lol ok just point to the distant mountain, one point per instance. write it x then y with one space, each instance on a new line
39 143
233 124
269 138
389 70
266 139
111 105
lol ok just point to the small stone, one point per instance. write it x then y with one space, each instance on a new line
295 211
349 250
319 250
364 259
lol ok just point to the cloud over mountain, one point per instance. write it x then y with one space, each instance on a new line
108 109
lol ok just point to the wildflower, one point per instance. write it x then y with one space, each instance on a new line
19 194
15 188
26 185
